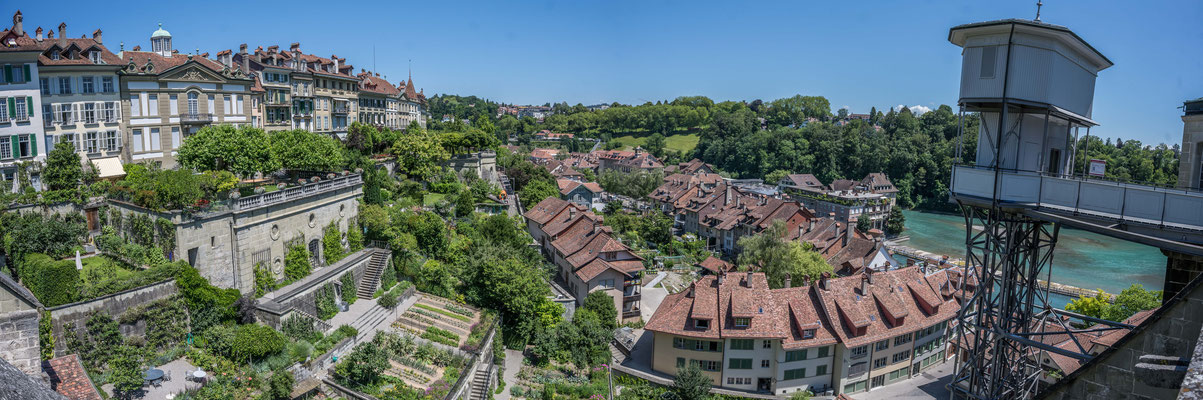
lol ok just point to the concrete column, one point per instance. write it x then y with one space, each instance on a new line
1180 269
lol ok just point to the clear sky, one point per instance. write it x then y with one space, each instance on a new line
856 54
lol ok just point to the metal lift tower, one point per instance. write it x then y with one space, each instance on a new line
1032 86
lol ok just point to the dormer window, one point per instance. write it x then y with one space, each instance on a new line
54 55
701 323
808 334
742 322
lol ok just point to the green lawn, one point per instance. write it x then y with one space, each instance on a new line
432 199
683 143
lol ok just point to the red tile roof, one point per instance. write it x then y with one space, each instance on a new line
715 265
373 83
68 378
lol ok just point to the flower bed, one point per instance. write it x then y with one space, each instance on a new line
443 312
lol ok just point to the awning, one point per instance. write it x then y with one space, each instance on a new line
109 167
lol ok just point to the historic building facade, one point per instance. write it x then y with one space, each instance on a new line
167 96
22 137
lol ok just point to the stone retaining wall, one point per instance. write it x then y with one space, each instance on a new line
114 305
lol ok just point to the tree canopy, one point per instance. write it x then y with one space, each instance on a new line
243 150
777 257
63 169
303 150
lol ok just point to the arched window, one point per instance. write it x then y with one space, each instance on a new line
193 107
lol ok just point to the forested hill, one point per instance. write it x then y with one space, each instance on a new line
800 134
460 107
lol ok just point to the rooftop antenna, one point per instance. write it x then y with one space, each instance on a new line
1039 4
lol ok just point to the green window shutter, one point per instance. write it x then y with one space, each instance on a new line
27 69
29 105
8 73
12 108
33 145
16 146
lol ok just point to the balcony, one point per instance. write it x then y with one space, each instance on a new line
196 118
341 110
1163 212
631 314
858 369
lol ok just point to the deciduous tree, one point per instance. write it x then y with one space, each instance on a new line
777 257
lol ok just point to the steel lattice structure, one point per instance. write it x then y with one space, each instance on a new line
1001 325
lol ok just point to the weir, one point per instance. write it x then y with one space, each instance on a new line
1032 85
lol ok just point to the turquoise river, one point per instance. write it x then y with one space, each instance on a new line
1081 259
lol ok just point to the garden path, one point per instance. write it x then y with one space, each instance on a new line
513 364
178 370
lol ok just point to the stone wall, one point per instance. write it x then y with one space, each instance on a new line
276 306
114 305
1172 331
19 340
48 210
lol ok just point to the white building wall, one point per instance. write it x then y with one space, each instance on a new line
758 353
32 125
84 136
812 381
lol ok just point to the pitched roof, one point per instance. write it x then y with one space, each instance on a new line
1110 338
80 46
568 186
715 265
544 211
803 180
373 83
15 384
161 64
20 291
68 377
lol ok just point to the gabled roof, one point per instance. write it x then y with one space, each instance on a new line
373 83
15 384
20 291
716 265
803 180
145 62
81 45
68 378
543 212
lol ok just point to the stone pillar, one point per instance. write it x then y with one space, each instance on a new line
1190 162
1180 269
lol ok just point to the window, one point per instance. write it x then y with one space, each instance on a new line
173 103
4 110
821 370
238 104
764 363
112 142
878 381
24 146
859 351
138 139
135 106
808 334
193 106
742 344
740 363
47 114
901 356
882 345
680 362
110 111
88 86
766 344
989 59
154 140
23 107
606 283
90 113
92 142
226 104
6 149
95 56
880 362
855 387
742 322
211 106
175 137
795 355
709 365
901 340
69 138
153 108
45 83
798 373
64 85
106 84
701 323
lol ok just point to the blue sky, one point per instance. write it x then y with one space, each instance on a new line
856 54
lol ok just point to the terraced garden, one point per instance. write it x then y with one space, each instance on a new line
446 322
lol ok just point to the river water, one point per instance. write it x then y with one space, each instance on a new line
1081 259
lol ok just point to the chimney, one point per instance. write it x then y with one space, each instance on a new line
722 275
805 280
62 31
96 37
136 47
205 55
18 21
39 34
571 212
246 60
295 47
691 286
748 280
334 59
811 225
864 286
823 281
787 281
869 273
50 34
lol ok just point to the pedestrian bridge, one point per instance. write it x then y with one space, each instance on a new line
1157 216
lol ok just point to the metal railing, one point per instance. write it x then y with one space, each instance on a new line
196 118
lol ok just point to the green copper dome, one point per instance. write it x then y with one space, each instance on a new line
160 32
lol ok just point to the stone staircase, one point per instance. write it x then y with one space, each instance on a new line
480 385
371 319
371 275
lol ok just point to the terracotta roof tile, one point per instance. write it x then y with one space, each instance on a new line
68 377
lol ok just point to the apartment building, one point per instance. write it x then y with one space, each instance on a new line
81 104
838 335
585 254
336 93
379 101
412 104
874 195
21 127
167 96
627 161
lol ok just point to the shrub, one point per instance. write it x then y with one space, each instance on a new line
332 243
280 385
347 330
349 289
264 280
354 238
300 328
296 263
387 300
52 282
324 299
254 341
388 278
299 351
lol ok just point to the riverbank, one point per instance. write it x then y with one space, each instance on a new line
1081 259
